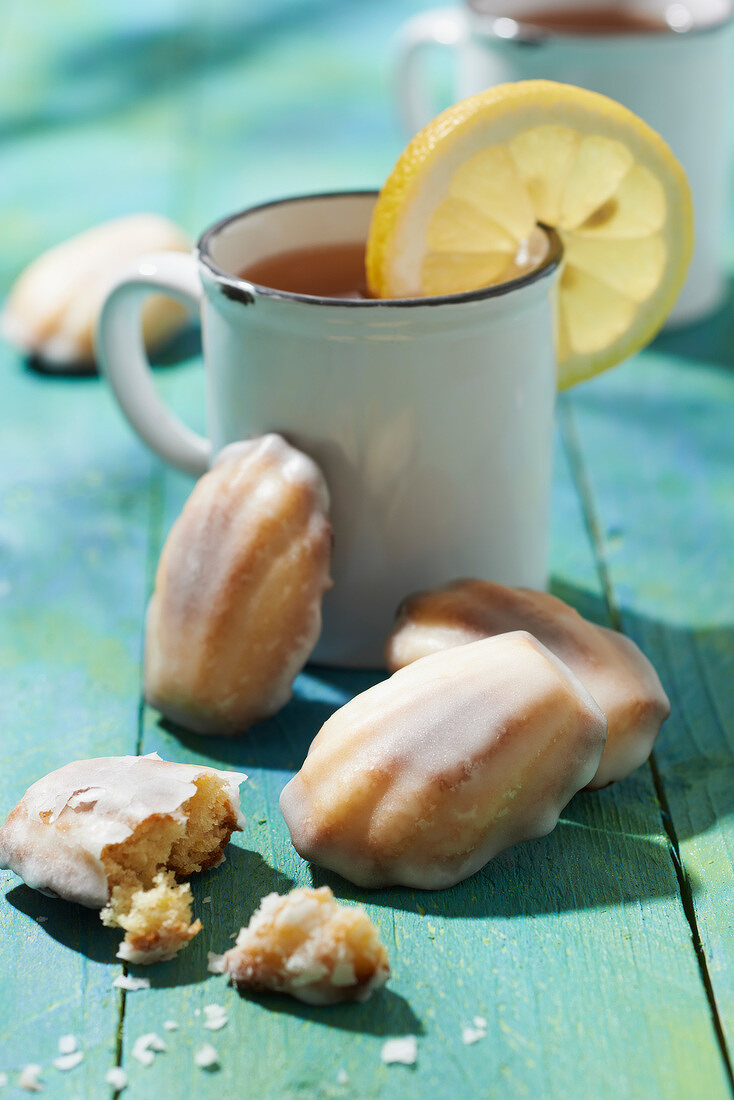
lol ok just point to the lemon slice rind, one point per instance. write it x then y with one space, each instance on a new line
486 170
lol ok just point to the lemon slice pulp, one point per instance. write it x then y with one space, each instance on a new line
461 208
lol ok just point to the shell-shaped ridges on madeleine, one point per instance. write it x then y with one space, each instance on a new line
613 669
236 609
425 777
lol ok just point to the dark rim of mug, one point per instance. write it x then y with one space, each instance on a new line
525 33
244 290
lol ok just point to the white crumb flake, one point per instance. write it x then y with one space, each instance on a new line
207 900
68 1044
3 1080
41 920
65 1062
28 1078
342 1077
473 1034
170 1025
206 1057
403 1051
130 984
117 1078
146 1047
215 1017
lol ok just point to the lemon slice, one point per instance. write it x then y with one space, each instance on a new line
461 208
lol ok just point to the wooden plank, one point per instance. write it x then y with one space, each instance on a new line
73 525
662 428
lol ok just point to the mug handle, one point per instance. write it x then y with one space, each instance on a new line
122 358
447 27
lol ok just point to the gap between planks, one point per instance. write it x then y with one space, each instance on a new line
155 530
572 447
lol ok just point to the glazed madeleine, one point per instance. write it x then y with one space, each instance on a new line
116 833
610 666
236 609
425 777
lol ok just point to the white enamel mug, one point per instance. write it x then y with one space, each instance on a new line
431 418
679 80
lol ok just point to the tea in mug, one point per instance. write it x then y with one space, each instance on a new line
607 20
338 270
321 270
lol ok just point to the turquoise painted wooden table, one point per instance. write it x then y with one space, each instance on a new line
602 957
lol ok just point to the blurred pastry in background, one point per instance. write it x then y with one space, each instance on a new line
612 668
236 609
52 310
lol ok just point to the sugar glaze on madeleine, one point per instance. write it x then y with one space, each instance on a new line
236 609
422 779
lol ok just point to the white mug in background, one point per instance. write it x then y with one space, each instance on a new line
431 418
678 79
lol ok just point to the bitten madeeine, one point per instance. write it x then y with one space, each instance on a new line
117 833
425 777
236 609
609 665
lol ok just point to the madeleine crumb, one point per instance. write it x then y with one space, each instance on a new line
65 1062
307 945
206 1057
402 1051
146 1047
130 984
29 1078
215 1017
116 1077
